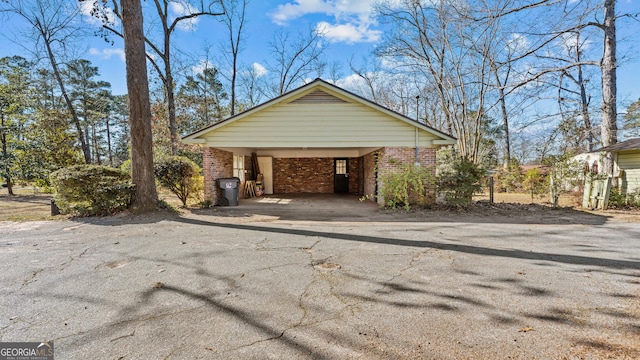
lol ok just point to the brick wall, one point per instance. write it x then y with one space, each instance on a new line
392 158
302 175
354 175
216 164
369 180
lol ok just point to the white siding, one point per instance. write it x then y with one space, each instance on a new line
318 125
630 163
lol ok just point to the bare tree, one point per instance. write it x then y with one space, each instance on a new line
234 20
294 58
139 107
163 48
52 27
440 43
252 84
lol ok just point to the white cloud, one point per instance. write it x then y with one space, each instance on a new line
181 9
518 43
352 82
352 23
96 12
202 65
108 53
286 12
258 69
570 41
349 33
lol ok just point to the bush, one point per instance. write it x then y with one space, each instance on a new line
408 186
87 190
509 179
535 182
564 176
619 200
458 178
180 175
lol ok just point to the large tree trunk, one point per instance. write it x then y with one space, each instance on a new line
139 107
608 126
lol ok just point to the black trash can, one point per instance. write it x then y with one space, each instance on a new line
229 188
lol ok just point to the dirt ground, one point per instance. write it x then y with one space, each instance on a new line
30 205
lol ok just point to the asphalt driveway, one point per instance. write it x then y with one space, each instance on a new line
249 283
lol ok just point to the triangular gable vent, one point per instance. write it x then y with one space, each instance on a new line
318 97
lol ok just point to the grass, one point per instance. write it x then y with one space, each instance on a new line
29 204
26 205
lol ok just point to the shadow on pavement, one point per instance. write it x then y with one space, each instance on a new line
470 249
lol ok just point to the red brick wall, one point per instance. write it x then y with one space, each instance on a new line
354 175
216 164
302 175
369 180
392 158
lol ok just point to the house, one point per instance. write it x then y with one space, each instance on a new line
626 164
317 138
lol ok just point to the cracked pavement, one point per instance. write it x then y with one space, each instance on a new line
245 284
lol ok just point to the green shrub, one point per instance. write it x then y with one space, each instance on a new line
457 178
408 185
534 182
180 175
509 179
564 176
126 166
619 200
616 198
87 190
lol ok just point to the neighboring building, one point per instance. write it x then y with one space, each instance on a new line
626 164
591 161
318 138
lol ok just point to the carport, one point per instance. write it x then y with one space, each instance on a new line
318 138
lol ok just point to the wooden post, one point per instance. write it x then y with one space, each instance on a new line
586 195
607 192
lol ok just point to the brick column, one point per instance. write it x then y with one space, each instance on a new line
216 164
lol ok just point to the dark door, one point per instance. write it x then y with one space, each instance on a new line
341 176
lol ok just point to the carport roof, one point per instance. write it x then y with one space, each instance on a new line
322 111
631 144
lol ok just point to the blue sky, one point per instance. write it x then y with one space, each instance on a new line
350 31
349 28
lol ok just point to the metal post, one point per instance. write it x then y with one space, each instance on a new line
491 190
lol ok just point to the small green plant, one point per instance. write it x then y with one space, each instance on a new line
616 198
180 175
458 178
534 182
407 185
88 190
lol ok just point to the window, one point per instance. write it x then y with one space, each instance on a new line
341 167
238 166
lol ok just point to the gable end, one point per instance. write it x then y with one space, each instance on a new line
318 97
